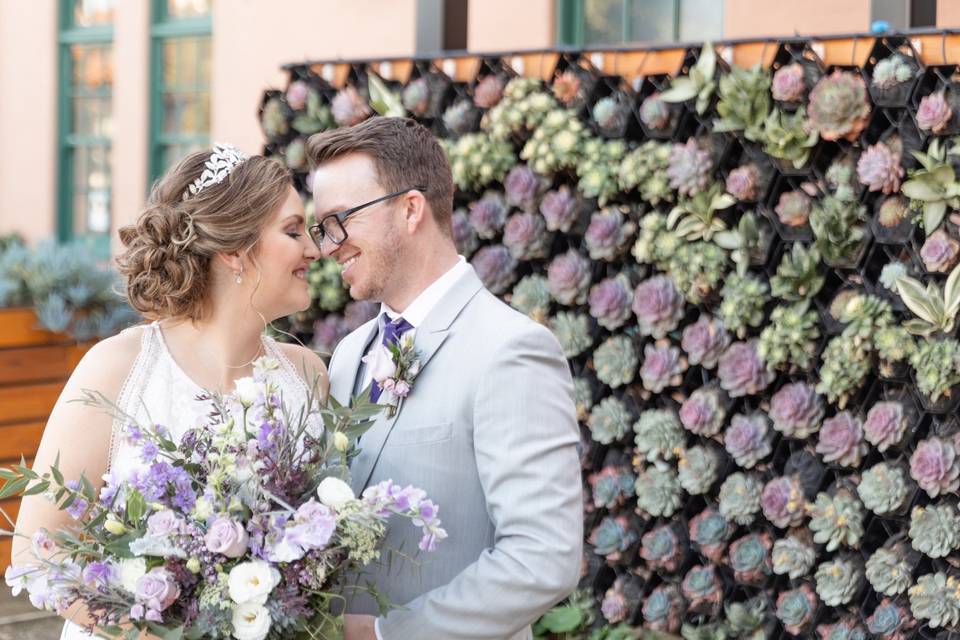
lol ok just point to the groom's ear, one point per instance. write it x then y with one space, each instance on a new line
416 210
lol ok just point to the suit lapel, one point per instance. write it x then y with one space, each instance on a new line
346 364
429 337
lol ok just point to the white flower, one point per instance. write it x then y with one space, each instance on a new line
202 509
252 582
334 493
341 441
251 621
263 365
131 570
380 362
247 391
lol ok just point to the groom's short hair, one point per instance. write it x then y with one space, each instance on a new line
405 154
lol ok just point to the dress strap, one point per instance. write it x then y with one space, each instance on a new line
132 389
291 375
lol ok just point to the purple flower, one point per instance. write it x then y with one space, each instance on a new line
885 424
525 235
495 267
662 366
166 484
569 278
79 506
227 537
783 501
841 440
658 305
488 214
939 252
157 590
935 467
165 523
934 113
148 451
98 574
610 301
559 209
788 84
704 341
313 526
703 412
742 371
742 182
608 234
463 234
42 543
796 410
328 332
523 187
748 439
297 94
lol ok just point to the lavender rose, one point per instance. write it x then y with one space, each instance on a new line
610 301
934 113
841 440
885 425
569 278
523 187
559 209
796 410
788 84
742 371
164 523
658 305
226 537
156 590
748 439
496 268
704 341
935 467
742 182
488 214
939 252
526 237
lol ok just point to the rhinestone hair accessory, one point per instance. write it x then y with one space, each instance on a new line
221 162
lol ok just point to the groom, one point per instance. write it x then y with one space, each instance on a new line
488 428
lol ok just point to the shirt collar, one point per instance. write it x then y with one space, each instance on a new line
424 303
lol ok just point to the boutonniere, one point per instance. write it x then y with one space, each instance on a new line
394 367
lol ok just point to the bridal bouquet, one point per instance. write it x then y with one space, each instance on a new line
246 528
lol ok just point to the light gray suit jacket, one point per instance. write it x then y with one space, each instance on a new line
489 431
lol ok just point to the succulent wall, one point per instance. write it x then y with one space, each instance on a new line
753 275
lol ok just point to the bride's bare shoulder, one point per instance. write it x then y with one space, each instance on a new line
308 364
108 362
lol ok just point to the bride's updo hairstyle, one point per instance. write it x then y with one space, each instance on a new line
190 217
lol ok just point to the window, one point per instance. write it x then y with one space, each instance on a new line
613 22
85 122
180 81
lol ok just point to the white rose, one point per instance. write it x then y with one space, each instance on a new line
251 621
247 391
334 493
380 362
131 570
252 582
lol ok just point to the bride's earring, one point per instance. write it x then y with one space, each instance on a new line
239 279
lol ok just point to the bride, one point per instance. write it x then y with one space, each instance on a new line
219 251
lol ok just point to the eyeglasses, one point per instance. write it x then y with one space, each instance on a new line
331 225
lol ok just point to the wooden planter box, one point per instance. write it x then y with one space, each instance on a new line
34 365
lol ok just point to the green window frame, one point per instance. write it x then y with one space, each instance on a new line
82 149
166 32
571 22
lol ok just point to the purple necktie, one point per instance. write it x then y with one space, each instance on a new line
392 330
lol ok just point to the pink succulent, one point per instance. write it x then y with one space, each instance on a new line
566 87
463 234
703 412
939 252
879 167
935 467
297 94
742 371
742 182
704 341
934 113
662 366
788 83
783 501
610 301
488 214
559 209
349 107
488 91
614 606
841 440
748 439
525 235
495 267
658 306
569 278
523 187
796 410
793 208
885 424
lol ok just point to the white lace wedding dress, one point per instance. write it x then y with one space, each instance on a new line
158 387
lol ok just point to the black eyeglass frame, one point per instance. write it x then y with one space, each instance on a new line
318 234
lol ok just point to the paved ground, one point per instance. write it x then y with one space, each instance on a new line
20 621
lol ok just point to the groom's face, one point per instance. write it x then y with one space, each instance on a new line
370 256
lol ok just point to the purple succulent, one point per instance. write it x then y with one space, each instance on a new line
788 83
793 208
749 558
658 306
566 86
463 234
523 187
662 367
934 113
783 501
488 91
939 252
841 440
610 301
748 439
796 410
702 588
743 181
689 168
612 537
614 607
704 341
495 267
662 548
488 215
525 235
416 97
709 531
885 425
359 312
935 467
703 412
569 278
608 234
349 107
742 371
797 608
879 167
297 94
328 332
655 112
560 209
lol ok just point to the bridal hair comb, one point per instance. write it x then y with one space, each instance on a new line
221 162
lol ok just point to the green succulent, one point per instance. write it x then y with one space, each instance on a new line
745 242
325 284
837 520
531 297
742 302
890 72
697 469
838 581
748 619
317 116
935 529
599 168
883 488
744 101
799 275
841 178
788 138
582 397
792 557
556 143
846 365
609 421
659 493
659 435
522 108
838 228
936 599
712 631
933 186
864 315
935 366
477 159
695 218
700 84
791 337
273 120
740 497
888 571
697 268
572 331
935 310
655 244
894 344
615 361
645 169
